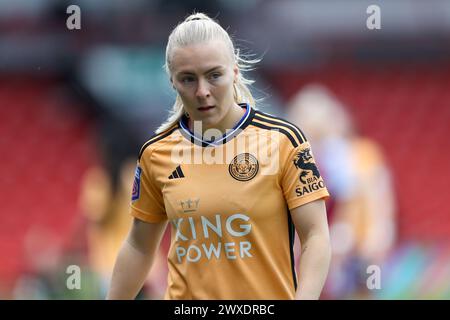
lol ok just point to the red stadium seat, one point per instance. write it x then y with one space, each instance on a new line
407 110
41 170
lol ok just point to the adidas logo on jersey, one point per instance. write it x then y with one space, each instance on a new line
177 174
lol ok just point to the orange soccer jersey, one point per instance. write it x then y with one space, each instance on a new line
228 203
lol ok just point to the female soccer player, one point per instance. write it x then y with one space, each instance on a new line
234 182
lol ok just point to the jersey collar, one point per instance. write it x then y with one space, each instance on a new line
241 125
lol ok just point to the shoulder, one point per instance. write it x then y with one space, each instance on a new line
287 129
157 139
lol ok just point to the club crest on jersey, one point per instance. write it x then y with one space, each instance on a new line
244 167
136 184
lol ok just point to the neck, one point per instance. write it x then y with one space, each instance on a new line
228 122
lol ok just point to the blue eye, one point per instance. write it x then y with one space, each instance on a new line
215 75
187 79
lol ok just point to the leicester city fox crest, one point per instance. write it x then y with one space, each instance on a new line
244 167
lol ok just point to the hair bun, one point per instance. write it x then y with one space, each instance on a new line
197 16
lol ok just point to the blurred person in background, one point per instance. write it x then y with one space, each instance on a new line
362 214
253 258
104 197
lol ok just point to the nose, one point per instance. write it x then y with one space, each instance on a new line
202 89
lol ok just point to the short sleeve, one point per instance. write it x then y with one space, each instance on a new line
301 180
147 202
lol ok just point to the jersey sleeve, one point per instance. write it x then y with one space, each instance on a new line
147 202
301 180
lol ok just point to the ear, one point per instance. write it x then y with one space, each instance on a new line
235 72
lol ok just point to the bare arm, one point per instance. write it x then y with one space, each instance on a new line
135 259
310 221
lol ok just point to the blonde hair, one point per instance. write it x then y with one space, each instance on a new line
197 28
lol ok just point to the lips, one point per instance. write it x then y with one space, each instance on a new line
206 108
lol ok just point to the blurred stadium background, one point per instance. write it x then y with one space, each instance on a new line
75 106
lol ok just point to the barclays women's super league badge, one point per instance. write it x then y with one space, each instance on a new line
136 184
